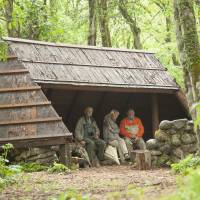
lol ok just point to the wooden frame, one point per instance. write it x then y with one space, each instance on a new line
18 89
30 121
155 113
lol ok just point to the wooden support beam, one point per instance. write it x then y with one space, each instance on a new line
65 154
14 71
24 105
37 141
12 57
19 89
155 113
31 121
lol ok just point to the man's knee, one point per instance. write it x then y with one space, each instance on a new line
114 143
101 143
90 144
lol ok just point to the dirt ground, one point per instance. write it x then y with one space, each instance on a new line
110 182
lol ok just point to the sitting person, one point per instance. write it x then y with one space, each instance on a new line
132 130
87 133
111 135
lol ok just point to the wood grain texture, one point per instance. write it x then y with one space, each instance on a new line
91 66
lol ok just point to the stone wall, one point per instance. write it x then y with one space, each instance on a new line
38 155
173 141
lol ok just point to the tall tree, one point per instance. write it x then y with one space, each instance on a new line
8 15
165 7
132 21
104 23
92 33
188 45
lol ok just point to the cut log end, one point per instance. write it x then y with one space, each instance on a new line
142 159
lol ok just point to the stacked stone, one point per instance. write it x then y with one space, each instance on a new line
38 155
173 141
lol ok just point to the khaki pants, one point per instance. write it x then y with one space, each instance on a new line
140 144
121 147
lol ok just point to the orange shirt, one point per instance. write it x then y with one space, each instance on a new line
126 122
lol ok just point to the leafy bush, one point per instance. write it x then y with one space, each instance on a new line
32 167
185 165
189 188
58 167
7 173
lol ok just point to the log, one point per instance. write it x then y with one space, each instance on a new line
142 159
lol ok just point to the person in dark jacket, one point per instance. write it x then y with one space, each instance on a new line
87 133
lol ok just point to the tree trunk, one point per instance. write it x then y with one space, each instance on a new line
104 23
92 33
8 5
132 23
188 45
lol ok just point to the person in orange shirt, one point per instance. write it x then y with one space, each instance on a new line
132 129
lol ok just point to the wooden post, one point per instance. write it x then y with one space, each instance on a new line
155 113
142 159
65 154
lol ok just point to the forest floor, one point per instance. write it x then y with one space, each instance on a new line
109 182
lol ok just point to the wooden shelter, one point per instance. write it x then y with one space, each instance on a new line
73 77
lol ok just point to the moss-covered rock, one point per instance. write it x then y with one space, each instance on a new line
190 148
165 148
180 123
163 159
176 140
162 136
188 138
152 144
155 153
178 152
165 124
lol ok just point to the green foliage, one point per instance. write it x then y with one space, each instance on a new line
58 168
7 173
134 192
67 21
72 194
3 50
196 108
186 165
189 187
32 167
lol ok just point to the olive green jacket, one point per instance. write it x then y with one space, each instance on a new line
110 129
79 130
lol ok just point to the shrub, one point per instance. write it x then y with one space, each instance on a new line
185 165
7 173
58 167
32 167
189 188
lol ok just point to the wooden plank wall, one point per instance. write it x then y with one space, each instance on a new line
24 110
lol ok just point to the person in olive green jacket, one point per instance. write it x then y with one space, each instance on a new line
87 133
111 134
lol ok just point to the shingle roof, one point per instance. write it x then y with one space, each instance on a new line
91 66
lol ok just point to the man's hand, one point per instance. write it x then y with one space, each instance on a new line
137 138
82 142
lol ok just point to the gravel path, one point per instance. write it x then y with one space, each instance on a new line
110 182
